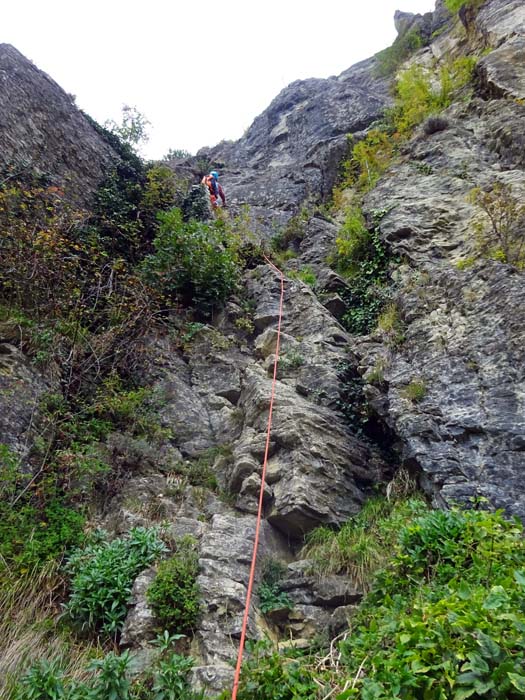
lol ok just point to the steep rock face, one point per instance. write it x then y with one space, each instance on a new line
291 152
41 130
464 328
215 394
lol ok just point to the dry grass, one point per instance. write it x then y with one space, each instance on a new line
29 610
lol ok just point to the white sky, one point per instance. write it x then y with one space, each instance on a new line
200 71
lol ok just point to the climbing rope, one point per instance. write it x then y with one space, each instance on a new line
261 494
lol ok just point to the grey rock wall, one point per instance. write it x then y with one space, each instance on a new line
41 130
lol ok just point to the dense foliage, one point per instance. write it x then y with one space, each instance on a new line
102 574
194 260
446 618
363 259
389 60
109 680
174 595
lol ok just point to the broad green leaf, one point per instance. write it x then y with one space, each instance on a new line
518 681
489 648
520 578
496 598
463 693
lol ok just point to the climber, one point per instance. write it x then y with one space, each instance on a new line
212 183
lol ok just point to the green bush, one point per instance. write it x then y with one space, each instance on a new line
268 674
33 530
174 594
43 681
363 259
271 597
415 391
108 680
389 60
369 159
171 679
417 96
102 575
456 5
446 618
364 544
194 261
501 236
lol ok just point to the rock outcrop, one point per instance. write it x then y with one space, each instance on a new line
463 346
42 131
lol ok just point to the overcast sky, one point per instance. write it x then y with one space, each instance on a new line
200 71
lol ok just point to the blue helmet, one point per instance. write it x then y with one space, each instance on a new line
214 174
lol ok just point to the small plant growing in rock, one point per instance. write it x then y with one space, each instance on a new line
504 239
415 391
174 594
102 575
291 360
271 597
377 374
389 321
305 274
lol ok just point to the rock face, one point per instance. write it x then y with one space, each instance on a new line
21 387
464 328
291 152
451 394
41 130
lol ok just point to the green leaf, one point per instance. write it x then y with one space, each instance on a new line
489 648
496 598
520 578
517 681
463 693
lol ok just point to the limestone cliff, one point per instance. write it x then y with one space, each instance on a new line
461 337
42 130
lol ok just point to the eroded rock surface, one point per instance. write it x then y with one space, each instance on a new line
41 130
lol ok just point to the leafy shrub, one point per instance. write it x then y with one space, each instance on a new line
446 619
195 261
267 674
369 159
363 259
102 575
174 595
418 97
389 60
43 681
111 681
503 239
271 597
456 5
171 679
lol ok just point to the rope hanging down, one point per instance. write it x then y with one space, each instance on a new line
261 494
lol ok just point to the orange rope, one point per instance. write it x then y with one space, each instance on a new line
261 494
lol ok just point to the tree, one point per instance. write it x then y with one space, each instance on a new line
133 128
